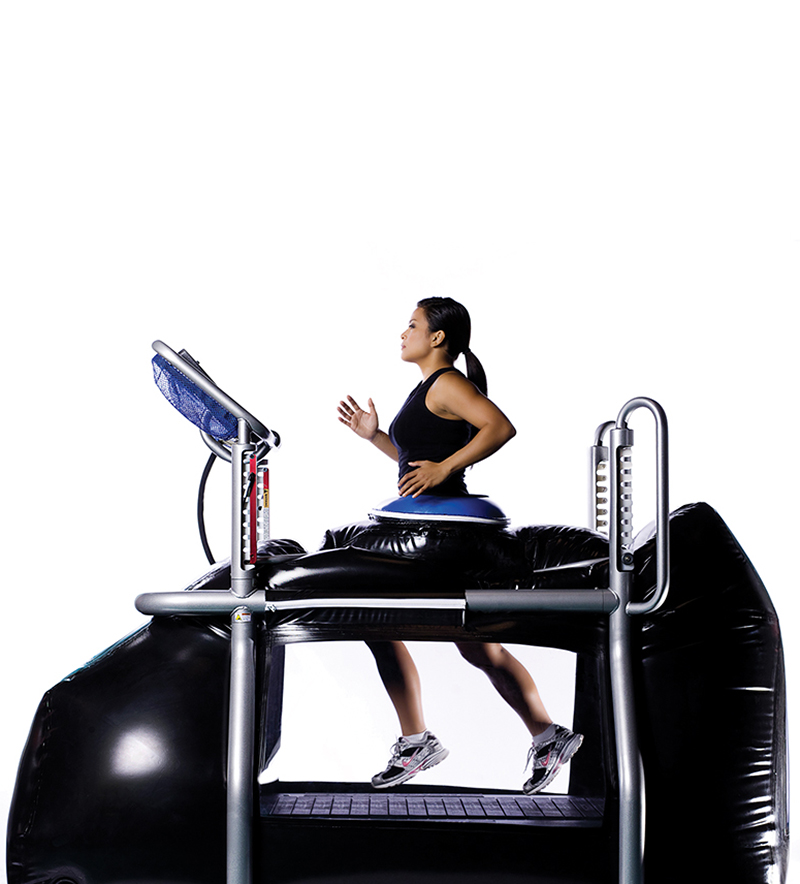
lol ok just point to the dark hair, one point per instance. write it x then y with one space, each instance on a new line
452 318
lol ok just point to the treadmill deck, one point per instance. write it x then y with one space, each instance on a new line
397 807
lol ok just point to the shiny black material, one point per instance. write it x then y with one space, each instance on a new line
123 776
485 555
712 713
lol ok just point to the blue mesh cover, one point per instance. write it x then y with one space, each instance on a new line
195 405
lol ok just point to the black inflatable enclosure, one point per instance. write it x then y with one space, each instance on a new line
123 777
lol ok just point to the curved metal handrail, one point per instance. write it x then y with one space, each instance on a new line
662 501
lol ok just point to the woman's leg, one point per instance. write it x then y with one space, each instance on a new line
511 680
417 749
553 745
400 678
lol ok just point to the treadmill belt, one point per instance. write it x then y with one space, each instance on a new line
531 810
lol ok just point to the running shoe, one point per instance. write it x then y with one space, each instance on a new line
548 758
409 759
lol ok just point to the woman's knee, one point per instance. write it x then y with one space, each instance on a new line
481 655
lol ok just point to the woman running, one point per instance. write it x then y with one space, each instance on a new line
446 425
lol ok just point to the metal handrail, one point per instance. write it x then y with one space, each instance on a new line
662 502
213 602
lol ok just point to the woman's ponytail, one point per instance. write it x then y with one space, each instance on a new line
475 371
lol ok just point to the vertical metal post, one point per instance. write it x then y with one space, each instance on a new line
241 714
241 728
620 581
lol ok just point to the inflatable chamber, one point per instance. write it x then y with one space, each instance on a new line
141 767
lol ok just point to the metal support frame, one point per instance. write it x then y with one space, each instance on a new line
242 703
621 563
242 601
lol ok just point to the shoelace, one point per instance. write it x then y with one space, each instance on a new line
397 749
532 756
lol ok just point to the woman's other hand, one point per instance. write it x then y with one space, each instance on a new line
426 474
362 423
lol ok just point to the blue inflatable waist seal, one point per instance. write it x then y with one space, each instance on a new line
472 508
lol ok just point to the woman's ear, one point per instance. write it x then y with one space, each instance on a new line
437 338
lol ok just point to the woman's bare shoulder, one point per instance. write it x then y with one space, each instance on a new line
454 382
453 379
449 393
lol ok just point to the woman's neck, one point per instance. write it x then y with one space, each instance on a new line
433 363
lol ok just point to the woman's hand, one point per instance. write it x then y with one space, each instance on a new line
362 423
365 424
428 474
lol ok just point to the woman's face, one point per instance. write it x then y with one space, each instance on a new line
417 340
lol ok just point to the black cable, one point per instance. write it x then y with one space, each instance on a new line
201 521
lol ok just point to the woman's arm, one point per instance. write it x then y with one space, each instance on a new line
454 397
365 424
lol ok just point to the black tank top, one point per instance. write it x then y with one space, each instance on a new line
419 434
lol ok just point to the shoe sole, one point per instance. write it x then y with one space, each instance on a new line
430 761
567 752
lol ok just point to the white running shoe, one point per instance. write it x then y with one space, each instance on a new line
409 759
548 758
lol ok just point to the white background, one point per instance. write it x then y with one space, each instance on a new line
611 188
